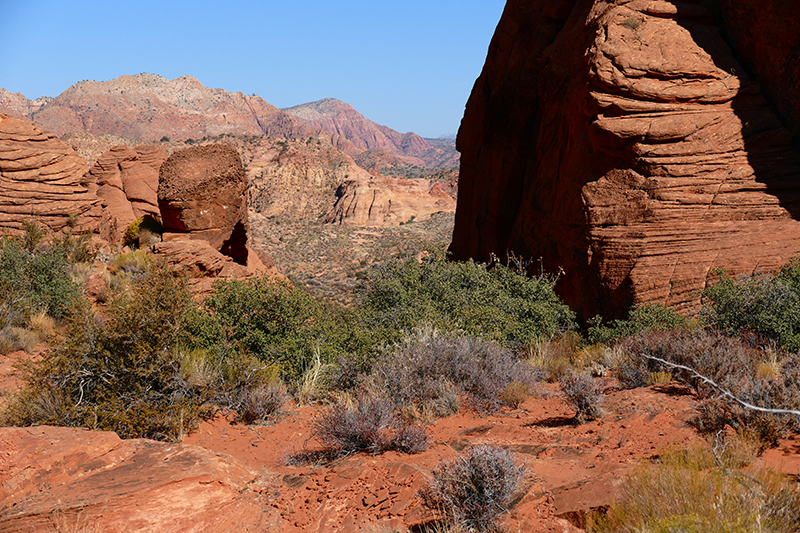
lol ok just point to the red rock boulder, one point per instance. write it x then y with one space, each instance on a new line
624 143
202 197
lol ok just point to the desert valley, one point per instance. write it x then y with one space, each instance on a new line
581 315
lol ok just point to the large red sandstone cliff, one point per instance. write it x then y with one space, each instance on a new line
624 142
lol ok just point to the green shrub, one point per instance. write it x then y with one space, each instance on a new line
121 374
498 303
646 317
276 322
36 277
764 304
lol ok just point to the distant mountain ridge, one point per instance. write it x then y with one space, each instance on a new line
149 107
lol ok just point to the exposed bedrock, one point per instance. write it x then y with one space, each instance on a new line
127 184
42 180
624 142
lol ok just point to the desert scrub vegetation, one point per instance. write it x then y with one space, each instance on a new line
766 379
471 492
119 373
37 284
429 372
133 369
363 423
646 317
496 302
275 322
582 393
766 305
701 489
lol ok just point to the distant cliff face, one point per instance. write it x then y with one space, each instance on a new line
624 142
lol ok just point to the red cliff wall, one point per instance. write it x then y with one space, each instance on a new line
623 142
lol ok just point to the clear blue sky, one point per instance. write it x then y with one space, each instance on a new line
407 64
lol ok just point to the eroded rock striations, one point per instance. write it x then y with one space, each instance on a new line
66 479
383 201
127 184
42 178
623 142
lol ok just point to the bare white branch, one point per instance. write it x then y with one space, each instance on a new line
722 391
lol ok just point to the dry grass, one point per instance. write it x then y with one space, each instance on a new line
311 385
694 491
558 356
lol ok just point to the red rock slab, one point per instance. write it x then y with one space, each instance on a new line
50 475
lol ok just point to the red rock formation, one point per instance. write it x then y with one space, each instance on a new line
623 142
764 35
65 479
41 178
384 201
203 203
127 181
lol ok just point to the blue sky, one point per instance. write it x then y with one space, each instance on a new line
407 64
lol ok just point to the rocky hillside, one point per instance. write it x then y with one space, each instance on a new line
341 121
147 107
626 144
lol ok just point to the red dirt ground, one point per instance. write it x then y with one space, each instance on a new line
570 469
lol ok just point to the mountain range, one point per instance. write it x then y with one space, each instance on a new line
149 107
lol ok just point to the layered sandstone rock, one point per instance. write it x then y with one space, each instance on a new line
383 201
127 184
202 197
66 479
42 178
623 142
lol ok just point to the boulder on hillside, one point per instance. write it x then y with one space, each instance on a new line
202 196
67 479
624 143
127 184
42 179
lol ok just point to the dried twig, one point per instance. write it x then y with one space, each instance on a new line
723 391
